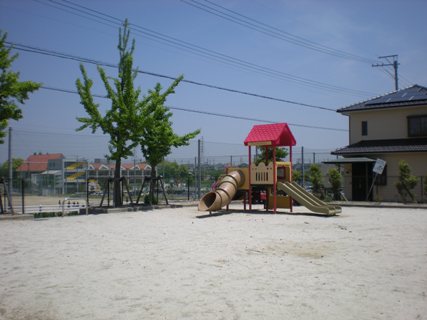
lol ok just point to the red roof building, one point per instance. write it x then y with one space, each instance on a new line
38 162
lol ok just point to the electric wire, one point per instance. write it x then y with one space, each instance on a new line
207 112
207 53
243 20
26 48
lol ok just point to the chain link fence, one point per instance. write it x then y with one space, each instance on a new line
78 181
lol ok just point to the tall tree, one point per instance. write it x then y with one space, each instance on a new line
157 137
12 91
4 168
120 120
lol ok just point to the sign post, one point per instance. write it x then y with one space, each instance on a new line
378 169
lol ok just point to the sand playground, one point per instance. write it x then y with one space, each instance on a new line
366 263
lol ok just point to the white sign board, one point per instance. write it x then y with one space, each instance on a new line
379 166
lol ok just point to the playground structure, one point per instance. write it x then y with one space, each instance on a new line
275 177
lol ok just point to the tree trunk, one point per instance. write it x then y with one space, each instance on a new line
117 196
152 184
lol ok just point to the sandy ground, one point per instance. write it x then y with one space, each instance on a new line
169 264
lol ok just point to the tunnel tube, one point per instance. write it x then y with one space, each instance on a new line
224 192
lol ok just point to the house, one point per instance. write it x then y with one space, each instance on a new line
392 127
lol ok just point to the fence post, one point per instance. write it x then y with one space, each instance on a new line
302 167
23 195
199 169
10 168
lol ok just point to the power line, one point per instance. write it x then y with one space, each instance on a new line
201 51
240 19
62 55
209 113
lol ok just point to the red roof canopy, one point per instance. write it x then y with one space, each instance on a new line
277 134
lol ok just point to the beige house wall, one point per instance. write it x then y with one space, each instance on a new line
383 124
418 164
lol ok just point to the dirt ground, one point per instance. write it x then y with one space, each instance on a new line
367 263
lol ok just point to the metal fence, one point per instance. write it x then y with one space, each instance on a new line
30 197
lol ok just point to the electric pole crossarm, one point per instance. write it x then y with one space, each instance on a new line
391 63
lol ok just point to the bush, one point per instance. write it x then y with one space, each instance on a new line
297 176
315 177
406 182
334 177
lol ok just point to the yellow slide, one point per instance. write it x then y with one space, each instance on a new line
308 200
224 192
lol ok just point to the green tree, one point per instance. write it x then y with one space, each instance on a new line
335 178
157 137
406 182
12 91
266 154
315 177
173 172
120 121
4 168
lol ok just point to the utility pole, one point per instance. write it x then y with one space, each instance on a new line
199 169
392 60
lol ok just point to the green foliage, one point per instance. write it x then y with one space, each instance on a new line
131 121
315 177
297 176
12 91
335 178
118 121
121 120
266 155
4 169
157 137
175 173
406 182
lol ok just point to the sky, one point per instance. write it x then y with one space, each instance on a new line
318 55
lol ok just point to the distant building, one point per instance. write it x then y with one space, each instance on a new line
41 172
391 127
53 174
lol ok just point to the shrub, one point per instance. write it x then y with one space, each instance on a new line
406 182
334 177
315 177
297 176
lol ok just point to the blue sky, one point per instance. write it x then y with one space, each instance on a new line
363 28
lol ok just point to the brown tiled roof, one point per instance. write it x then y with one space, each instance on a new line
384 146
38 162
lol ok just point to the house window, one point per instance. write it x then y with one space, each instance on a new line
417 126
364 128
